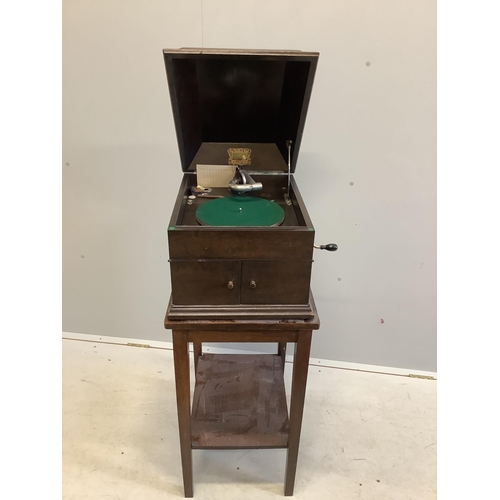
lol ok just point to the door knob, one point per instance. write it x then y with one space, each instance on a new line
253 284
230 285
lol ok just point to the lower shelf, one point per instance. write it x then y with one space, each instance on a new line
239 402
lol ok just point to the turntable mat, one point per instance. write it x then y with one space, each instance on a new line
240 211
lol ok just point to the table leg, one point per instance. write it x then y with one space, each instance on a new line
282 352
299 380
181 365
197 350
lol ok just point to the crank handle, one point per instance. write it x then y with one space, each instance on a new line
331 247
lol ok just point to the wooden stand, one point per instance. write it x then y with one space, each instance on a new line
239 400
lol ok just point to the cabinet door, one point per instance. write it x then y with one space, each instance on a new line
284 281
205 282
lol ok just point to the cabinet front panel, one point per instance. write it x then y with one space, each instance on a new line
253 243
205 282
275 281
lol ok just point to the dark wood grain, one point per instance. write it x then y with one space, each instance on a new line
181 365
229 336
239 402
227 416
282 352
203 260
197 352
274 188
285 312
205 242
236 324
205 282
299 381
214 99
275 281
265 156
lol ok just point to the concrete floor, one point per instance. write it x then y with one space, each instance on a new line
364 435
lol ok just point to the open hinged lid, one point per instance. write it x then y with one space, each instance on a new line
224 98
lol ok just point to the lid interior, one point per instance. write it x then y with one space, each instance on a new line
223 100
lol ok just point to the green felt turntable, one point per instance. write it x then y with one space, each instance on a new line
240 211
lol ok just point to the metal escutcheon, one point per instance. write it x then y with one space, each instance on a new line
230 285
253 284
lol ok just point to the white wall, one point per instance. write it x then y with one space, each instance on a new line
366 170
